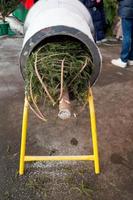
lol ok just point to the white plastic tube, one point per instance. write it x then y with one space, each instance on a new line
48 18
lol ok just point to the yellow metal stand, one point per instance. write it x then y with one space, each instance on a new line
94 157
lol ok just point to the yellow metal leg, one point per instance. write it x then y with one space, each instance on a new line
25 158
23 138
94 131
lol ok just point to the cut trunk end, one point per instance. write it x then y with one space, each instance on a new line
64 107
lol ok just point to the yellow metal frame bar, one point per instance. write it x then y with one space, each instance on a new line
94 157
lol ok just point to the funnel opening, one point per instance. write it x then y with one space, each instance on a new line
59 33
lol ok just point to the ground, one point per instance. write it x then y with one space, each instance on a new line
67 180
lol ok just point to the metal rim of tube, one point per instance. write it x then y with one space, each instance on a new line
65 31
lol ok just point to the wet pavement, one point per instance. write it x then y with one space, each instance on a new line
113 94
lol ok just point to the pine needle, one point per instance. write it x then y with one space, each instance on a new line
55 67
